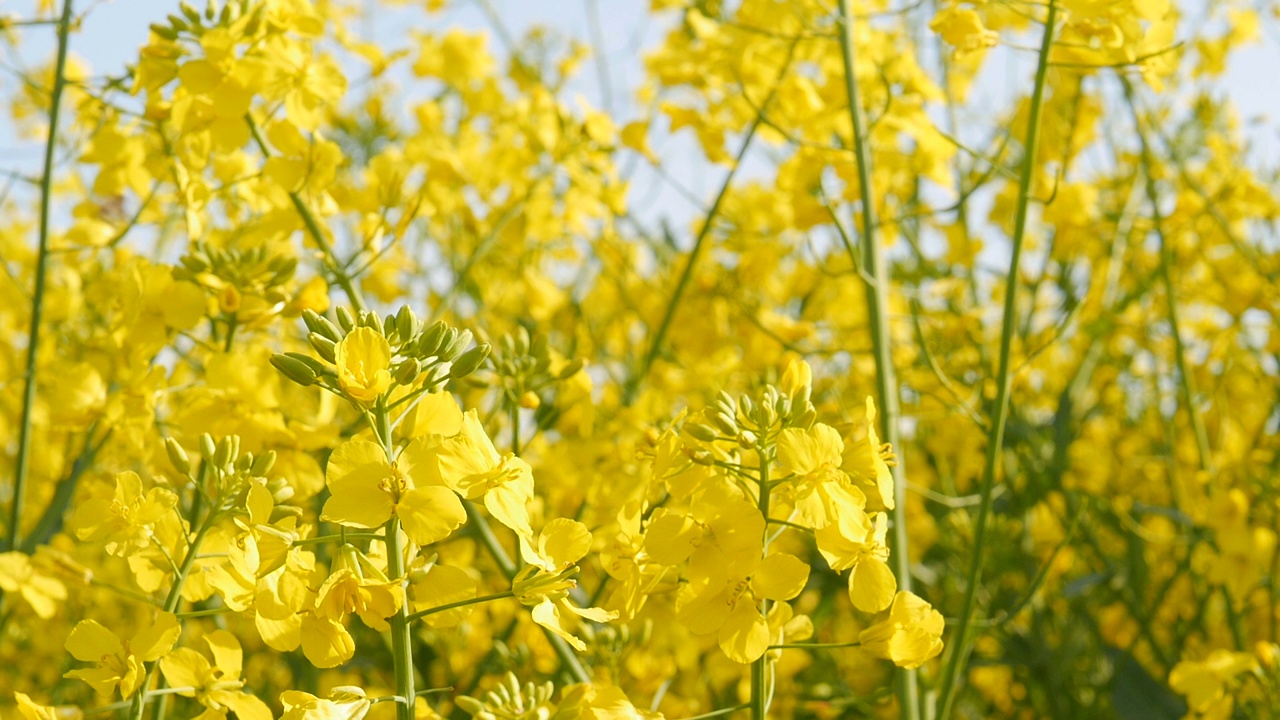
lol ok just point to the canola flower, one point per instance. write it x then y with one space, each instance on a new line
349 379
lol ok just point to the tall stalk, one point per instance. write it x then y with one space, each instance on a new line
877 288
759 703
960 644
23 464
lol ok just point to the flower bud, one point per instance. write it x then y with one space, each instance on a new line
324 347
469 361
294 369
345 321
320 325
177 456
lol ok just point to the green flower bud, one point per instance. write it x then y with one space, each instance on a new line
294 369
345 321
320 325
177 456
324 347
469 361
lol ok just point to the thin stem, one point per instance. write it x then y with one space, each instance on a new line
815 646
960 638
401 632
1186 381
877 289
22 467
312 225
760 667
460 603
718 713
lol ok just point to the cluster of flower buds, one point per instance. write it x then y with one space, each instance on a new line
523 367
747 419
224 473
215 15
413 354
247 283
510 701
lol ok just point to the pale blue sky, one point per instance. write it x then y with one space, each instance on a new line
114 30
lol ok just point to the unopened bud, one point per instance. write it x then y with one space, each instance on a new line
177 456
469 361
324 347
320 325
294 369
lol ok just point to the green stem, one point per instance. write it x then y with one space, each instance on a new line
171 603
877 289
718 713
312 225
22 467
960 637
815 646
1186 381
759 703
401 632
460 603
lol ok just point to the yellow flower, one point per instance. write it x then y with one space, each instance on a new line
119 663
1205 682
356 586
29 710
818 490
343 703
127 521
857 543
470 465
366 491
216 686
42 593
364 365
867 463
545 583
910 636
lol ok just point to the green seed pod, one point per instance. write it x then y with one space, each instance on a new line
177 456
324 347
470 361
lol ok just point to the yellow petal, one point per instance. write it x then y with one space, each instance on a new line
872 586
744 636
671 538
89 641
781 576
443 585
185 667
547 614
564 542
154 642
325 642
430 514
227 655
